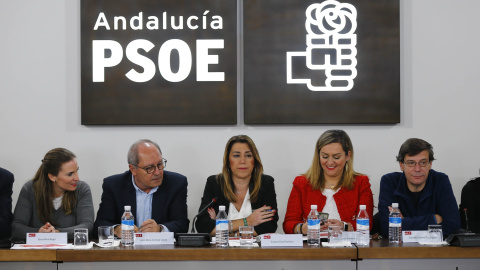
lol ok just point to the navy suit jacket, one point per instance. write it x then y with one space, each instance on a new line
6 216
169 202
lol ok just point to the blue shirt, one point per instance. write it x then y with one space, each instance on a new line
144 205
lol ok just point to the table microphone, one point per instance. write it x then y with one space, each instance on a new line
464 238
193 238
214 200
466 219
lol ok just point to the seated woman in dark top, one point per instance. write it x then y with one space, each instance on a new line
248 194
470 201
55 200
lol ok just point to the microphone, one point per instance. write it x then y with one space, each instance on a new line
193 238
214 200
466 219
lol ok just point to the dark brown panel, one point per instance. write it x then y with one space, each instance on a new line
117 100
272 28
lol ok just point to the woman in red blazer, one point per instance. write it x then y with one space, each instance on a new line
331 184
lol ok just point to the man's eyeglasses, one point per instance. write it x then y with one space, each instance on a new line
151 169
421 163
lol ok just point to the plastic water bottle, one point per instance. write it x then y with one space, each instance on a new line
127 227
395 225
363 227
221 228
313 233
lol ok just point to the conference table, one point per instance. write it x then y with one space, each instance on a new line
378 255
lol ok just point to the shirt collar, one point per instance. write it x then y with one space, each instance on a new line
141 191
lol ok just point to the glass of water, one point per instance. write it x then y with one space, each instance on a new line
436 233
105 235
246 235
335 234
80 237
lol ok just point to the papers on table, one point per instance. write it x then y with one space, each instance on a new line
343 243
48 246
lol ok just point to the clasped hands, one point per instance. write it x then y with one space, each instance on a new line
148 225
47 228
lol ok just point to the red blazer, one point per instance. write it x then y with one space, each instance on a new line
348 202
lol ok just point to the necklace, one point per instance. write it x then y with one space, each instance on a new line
240 191
332 185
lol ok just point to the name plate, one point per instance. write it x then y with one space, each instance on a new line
282 240
154 238
47 238
350 236
417 236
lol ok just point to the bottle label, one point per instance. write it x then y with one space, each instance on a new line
395 221
363 224
127 224
221 225
314 224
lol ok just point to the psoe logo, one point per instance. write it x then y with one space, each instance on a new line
331 47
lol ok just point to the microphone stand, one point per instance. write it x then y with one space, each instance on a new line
195 239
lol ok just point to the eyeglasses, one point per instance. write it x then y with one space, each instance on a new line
421 163
151 169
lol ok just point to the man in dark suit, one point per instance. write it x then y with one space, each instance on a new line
158 198
6 216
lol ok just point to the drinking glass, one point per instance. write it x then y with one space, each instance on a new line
80 237
335 233
246 235
435 232
105 235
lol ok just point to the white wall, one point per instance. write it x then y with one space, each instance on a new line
40 105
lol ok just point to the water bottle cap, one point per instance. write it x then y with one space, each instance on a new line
127 208
363 207
395 204
313 207
221 207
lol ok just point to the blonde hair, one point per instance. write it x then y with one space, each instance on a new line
225 177
315 173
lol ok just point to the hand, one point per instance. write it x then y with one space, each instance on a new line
118 230
47 228
150 225
334 222
438 218
261 215
211 213
390 210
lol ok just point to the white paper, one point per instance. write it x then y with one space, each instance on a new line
115 243
235 242
88 246
343 243
49 246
